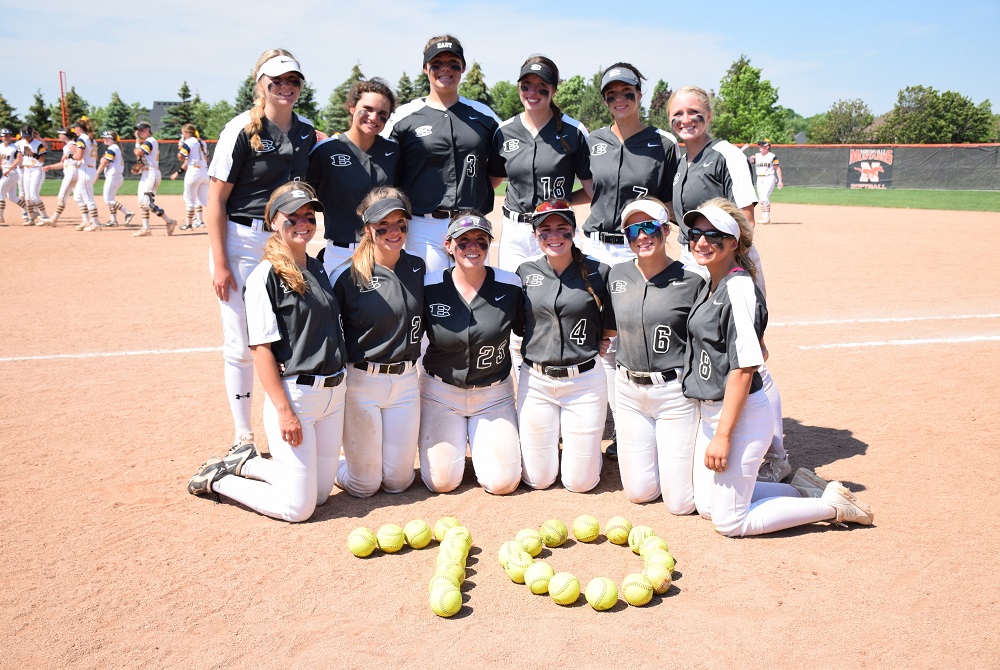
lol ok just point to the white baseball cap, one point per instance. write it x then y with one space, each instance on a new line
718 217
653 210
279 65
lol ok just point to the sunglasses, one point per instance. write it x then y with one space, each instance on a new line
473 222
552 205
716 237
651 228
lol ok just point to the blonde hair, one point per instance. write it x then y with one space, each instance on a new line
276 252
698 93
84 124
191 128
742 253
363 259
256 124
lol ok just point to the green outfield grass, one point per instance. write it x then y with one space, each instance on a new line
969 201
167 187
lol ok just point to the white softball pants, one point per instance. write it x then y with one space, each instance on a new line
381 426
295 480
765 186
68 180
777 447
575 407
8 187
657 426
335 256
244 247
485 418
195 187
112 182
425 238
83 194
517 244
33 178
737 504
148 183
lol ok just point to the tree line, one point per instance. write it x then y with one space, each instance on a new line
746 109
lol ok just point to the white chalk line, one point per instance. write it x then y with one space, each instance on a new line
899 319
894 343
112 354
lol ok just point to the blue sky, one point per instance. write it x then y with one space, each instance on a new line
814 54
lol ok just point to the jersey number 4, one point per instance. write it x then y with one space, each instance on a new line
579 332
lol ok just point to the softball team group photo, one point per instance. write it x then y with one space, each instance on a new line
401 342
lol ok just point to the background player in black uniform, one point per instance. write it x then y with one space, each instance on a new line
714 168
257 151
467 393
629 160
725 327
444 143
344 168
298 350
652 297
381 296
561 388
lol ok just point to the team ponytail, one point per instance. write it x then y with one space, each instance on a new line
579 258
256 124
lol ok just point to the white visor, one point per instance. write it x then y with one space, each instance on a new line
278 66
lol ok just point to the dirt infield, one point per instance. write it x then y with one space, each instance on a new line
110 563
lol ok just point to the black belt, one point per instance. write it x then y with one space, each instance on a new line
385 368
458 384
516 216
561 371
343 245
441 213
329 382
608 238
646 378
245 220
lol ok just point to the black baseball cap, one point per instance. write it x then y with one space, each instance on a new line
450 45
142 125
289 202
541 70
379 209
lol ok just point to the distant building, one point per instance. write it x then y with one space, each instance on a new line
158 111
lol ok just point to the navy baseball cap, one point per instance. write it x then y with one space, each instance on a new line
450 45
466 224
142 125
765 143
622 74
6 131
108 135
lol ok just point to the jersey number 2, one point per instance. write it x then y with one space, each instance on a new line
415 330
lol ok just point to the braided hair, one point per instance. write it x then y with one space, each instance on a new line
256 124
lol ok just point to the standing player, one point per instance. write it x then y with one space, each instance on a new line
298 349
768 175
629 160
31 158
70 166
193 155
147 151
113 166
467 393
561 388
344 168
444 142
652 298
714 168
85 153
257 151
8 172
541 152
381 298
725 329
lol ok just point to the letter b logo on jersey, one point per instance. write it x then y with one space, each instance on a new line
340 160
266 146
533 280
618 286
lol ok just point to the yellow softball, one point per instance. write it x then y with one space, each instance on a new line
601 593
658 576
506 549
637 590
390 538
617 529
537 577
531 540
586 528
662 557
564 588
362 542
650 543
442 526
417 533
517 563
637 535
554 533
446 601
